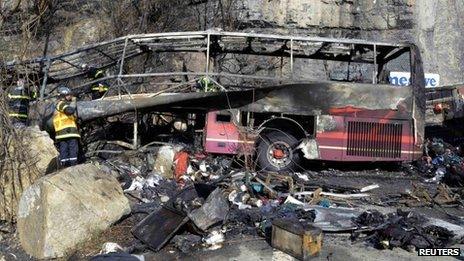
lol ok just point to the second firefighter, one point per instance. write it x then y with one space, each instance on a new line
65 124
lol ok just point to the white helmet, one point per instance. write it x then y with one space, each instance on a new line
63 91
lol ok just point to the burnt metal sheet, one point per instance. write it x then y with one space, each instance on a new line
304 98
322 98
89 110
159 227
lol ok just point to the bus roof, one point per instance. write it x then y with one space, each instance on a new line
211 42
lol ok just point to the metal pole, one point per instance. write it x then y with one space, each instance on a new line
136 131
291 58
121 65
207 54
123 56
44 82
374 77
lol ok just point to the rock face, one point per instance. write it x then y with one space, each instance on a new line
38 157
64 209
436 26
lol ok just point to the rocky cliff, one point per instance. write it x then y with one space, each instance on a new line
436 26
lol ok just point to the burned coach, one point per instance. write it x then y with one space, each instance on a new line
347 118
277 98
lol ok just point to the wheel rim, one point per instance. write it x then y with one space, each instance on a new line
279 154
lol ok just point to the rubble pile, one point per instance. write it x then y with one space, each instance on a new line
405 229
208 201
183 200
442 162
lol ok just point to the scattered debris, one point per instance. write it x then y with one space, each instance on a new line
205 202
442 164
160 226
405 229
186 242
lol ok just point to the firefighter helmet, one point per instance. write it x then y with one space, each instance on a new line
64 91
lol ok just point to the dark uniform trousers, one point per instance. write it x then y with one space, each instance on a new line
69 149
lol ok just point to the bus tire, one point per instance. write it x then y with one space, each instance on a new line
276 152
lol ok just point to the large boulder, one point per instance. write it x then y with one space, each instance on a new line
66 208
41 149
31 154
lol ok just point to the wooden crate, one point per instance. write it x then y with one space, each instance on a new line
298 239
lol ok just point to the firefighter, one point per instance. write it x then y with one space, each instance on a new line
19 97
65 123
98 89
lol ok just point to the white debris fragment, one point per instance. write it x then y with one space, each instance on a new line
232 195
292 200
137 184
439 174
214 177
153 180
242 206
164 199
214 240
203 167
110 247
302 176
256 202
370 187
309 148
190 170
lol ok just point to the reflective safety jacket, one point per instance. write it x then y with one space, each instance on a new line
100 87
64 121
96 74
18 103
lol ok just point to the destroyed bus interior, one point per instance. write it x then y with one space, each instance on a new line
246 94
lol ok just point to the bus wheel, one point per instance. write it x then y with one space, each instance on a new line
276 152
